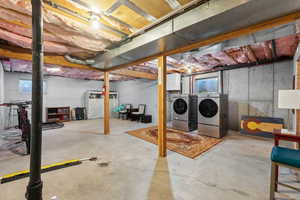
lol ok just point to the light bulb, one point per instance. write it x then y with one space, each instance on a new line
95 24
95 9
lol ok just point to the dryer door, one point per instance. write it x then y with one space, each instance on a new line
209 111
180 108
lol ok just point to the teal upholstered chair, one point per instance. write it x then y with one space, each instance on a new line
284 157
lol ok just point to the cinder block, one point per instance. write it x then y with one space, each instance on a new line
261 108
261 83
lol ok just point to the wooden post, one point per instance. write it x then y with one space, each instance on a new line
162 114
297 86
106 104
297 112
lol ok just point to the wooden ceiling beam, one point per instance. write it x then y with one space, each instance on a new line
70 5
61 61
29 27
135 74
54 60
250 53
267 50
17 23
231 57
219 38
80 14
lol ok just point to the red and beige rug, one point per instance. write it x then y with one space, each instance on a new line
188 144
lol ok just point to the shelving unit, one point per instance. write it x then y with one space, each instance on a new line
58 114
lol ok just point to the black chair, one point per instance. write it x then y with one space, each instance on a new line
80 113
125 113
136 116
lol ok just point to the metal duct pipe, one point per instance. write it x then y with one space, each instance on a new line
200 23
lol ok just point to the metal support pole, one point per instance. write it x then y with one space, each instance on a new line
35 185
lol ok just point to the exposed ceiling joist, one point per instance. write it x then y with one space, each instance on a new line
54 60
250 53
136 74
82 14
231 58
138 10
81 18
267 49
173 3
61 61
219 38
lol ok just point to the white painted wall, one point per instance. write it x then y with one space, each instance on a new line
60 91
139 91
1 96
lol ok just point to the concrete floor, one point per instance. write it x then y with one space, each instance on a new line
236 169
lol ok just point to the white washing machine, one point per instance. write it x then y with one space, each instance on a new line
184 112
212 116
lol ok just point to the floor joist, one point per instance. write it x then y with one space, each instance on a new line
54 60
61 61
136 74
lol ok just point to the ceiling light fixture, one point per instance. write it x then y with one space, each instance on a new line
95 9
189 70
94 20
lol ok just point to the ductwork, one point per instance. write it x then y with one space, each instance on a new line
251 39
210 19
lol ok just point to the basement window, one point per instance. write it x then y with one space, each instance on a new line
207 85
25 86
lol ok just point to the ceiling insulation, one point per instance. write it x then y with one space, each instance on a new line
254 54
69 22
68 31
13 65
62 28
25 42
199 60
21 22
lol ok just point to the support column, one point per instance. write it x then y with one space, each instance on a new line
2 121
106 104
35 185
297 86
162 109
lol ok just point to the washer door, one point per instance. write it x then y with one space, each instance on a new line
180 106
208 108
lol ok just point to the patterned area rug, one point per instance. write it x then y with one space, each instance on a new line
188 144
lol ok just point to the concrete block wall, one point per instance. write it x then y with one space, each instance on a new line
60 91
251 91
254 91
